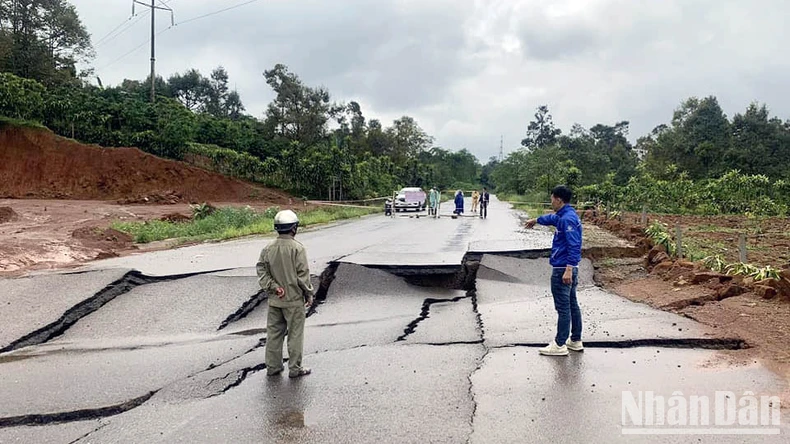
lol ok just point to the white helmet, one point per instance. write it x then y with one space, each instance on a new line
285 221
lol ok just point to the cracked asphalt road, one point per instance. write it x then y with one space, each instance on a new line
402 350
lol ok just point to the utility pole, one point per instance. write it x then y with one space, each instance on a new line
153 37
501 148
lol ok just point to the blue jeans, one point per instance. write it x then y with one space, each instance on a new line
568 312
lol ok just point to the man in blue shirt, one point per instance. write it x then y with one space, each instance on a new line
566 253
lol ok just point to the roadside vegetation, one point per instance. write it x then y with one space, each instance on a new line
702 163
534 204
706 253
229 222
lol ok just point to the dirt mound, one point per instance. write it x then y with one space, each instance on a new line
39 164
7 214
106 235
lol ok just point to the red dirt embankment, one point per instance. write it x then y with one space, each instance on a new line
39 164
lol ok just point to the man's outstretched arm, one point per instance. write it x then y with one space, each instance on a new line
546 219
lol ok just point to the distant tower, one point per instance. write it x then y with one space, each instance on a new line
501 148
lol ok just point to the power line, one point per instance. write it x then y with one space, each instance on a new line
133 50
216 12
137 48
113 30
125 55
129 26
105 39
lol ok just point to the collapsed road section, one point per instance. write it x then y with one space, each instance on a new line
416 351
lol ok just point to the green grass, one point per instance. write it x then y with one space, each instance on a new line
228 223
701 248
532 203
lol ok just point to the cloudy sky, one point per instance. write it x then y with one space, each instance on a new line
471 70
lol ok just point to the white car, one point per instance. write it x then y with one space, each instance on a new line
410 198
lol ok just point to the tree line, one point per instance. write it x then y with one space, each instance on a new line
305 142
702 162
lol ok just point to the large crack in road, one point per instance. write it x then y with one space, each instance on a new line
128 282
75 415
460 277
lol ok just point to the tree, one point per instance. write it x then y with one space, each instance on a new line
191 89
21 98
217 93
233 107
697 140
541 132
408 139
760 144
206 95
298 112
486 172
42 40
379 142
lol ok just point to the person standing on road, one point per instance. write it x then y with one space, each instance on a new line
433 201
484 199
459 202
475 200
566 253
283 272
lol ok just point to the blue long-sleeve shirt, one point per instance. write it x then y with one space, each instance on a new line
566 247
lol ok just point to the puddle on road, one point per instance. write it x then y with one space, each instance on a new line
293 419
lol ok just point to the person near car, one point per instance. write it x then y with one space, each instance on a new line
484 199
433 201
475 200
459 202
283 272
566 253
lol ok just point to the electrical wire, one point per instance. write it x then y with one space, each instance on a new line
124 55
136 48
133 50
129 26
125 21
216 12
109 36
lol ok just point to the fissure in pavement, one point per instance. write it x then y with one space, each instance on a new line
75 415
249 305
695 343
125 284
237 377
424 313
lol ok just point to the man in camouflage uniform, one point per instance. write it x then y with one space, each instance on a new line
284 274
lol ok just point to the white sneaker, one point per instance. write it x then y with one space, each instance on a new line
553 350
576 346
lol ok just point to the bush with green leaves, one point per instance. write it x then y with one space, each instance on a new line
201 211
271 212
732 193
21 98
